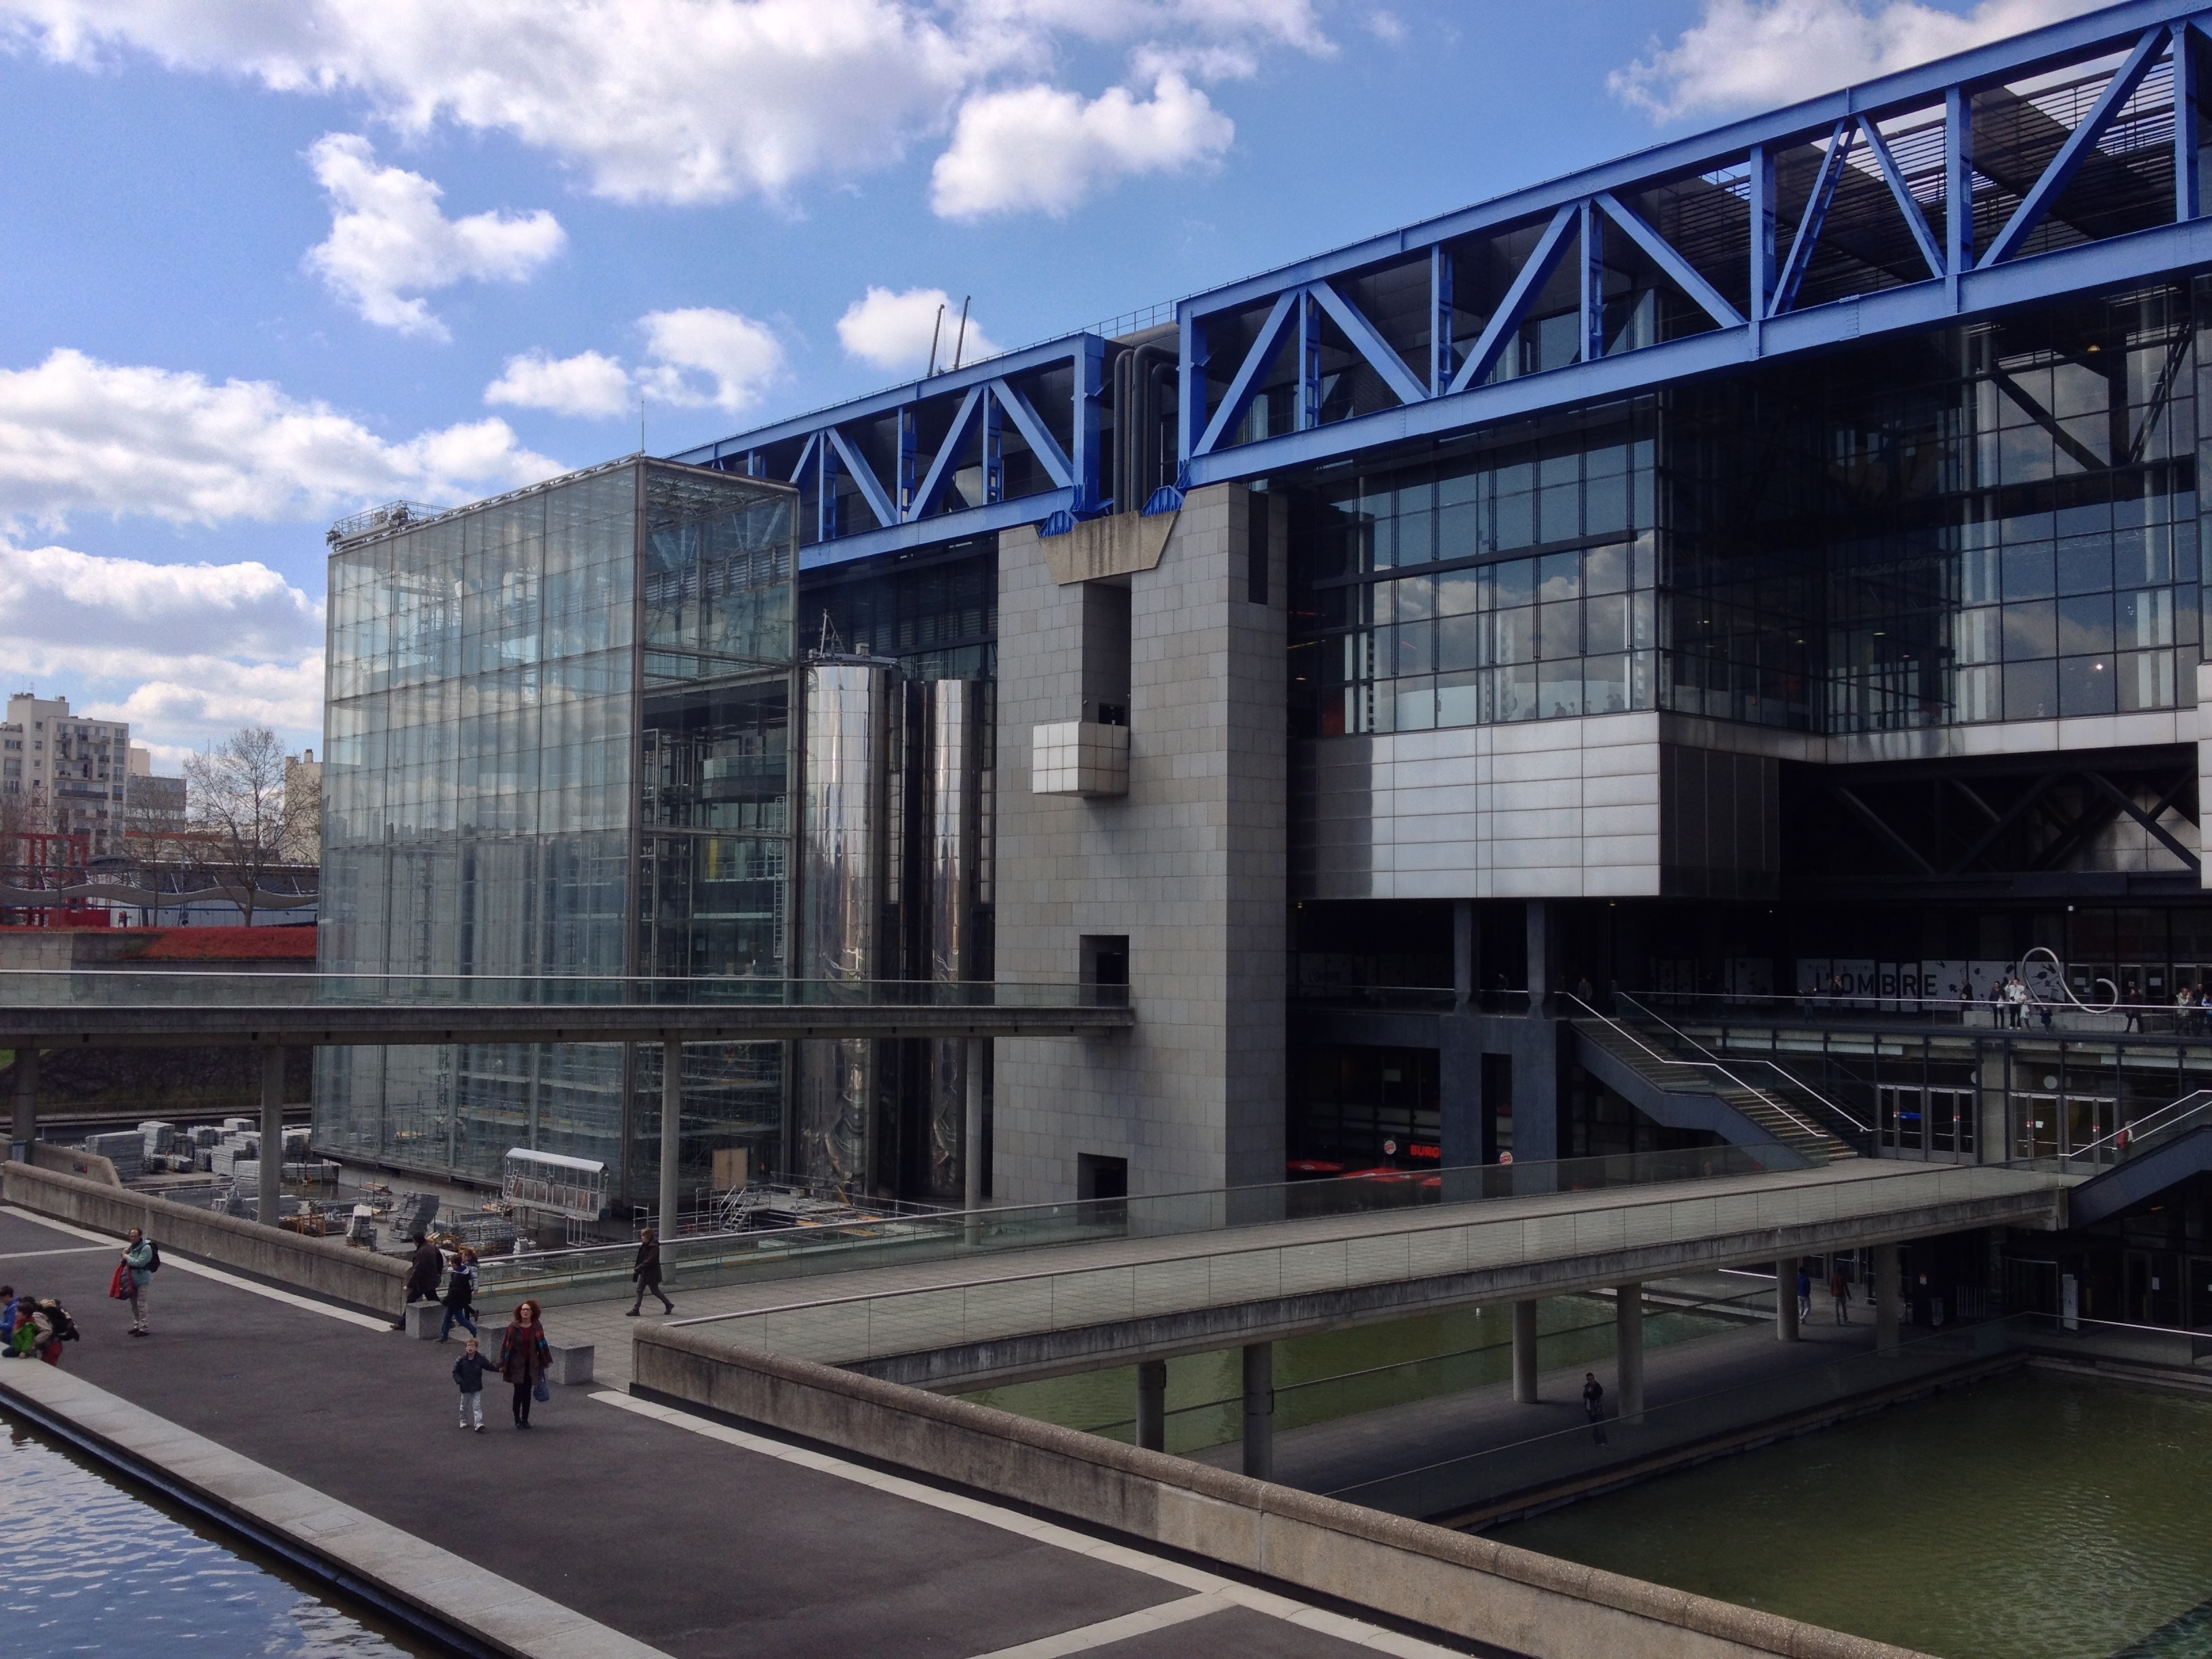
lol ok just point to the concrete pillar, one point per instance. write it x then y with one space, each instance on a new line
1785 1299
1152 1404
1884 1298
1540 958
971 1131
671 1134
1524 1353
26 1101
1628 1350
1467 952
272 1136
1260 1410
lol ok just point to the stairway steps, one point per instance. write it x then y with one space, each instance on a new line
1777 1122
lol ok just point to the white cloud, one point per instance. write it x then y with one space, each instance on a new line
77 435
671 101
590 385
1039 148
894 330
1753 53
738 355
388 240
185 653
1385 25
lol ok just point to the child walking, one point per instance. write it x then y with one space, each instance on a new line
469 1373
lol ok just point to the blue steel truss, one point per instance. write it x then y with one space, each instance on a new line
968 411
2075 148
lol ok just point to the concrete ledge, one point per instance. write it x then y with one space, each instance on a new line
425 1586
1471 1586
572 1362
323 1266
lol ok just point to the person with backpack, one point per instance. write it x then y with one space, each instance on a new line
460 1295
1594 1406
140 1260
42 1327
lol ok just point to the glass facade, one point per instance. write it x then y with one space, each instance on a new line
556 741
1993 523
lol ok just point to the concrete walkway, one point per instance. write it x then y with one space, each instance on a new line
695 1540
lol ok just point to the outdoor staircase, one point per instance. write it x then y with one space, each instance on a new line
1686 1089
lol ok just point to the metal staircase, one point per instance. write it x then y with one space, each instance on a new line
1675 1078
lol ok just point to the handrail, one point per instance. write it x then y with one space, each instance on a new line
1699 1065
2149 1125
1772 1066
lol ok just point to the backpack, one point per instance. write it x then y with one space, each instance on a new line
154 1266
64 1327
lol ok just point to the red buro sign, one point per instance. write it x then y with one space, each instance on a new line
1428 1154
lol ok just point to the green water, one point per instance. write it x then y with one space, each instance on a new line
1342 1373
2034 1517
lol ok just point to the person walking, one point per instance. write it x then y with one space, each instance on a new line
524 1358
1840 1288
460 1296
1804 1294
469 1375
139 1260
647 1272
425 1269
1594 1406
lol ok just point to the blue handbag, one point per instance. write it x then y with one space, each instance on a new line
541 1393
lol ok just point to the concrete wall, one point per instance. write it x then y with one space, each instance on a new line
1474 1588
1189 865
320 1266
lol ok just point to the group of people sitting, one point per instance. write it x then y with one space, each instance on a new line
33 1326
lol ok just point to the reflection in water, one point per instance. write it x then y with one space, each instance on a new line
88 1567
1342 1373
2034 1517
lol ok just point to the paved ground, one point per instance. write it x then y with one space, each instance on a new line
700 1543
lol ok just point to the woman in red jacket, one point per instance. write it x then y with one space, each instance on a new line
524 1358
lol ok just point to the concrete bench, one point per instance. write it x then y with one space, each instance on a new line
424 1319
572 1362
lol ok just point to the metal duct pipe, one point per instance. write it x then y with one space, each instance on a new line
953 742
841 871
1137 374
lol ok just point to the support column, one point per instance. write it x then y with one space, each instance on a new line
26 1102
1539 957
1524 1353
272 1137
1260 1410
1152 1404
1785 1300
1628 1350
1884 1298
971 1131
672 1135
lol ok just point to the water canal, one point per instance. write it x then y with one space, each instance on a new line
2035 1517
90 1566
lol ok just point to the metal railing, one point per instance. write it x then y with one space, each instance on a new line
120 987
724 1258
1780 1071
2192 1111
1818 1134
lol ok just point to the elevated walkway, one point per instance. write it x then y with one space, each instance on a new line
960 1324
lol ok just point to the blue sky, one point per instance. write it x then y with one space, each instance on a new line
264 262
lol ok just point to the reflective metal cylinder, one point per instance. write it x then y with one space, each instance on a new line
953 743
841 877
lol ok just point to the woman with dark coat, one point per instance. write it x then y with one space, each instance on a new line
647 1272
524 1358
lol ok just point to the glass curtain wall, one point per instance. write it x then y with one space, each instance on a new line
490 673
1994 523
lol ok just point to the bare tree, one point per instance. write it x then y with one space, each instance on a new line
241 816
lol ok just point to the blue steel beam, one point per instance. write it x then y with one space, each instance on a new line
1815 216
2187 197
931 533
1033 433
2077 148
805 458
1442 359
1589 289
1369 342
1309 382
1684 274
1249 373
946 461
1532 275
1907 204
864 475
2112 28
2116 262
